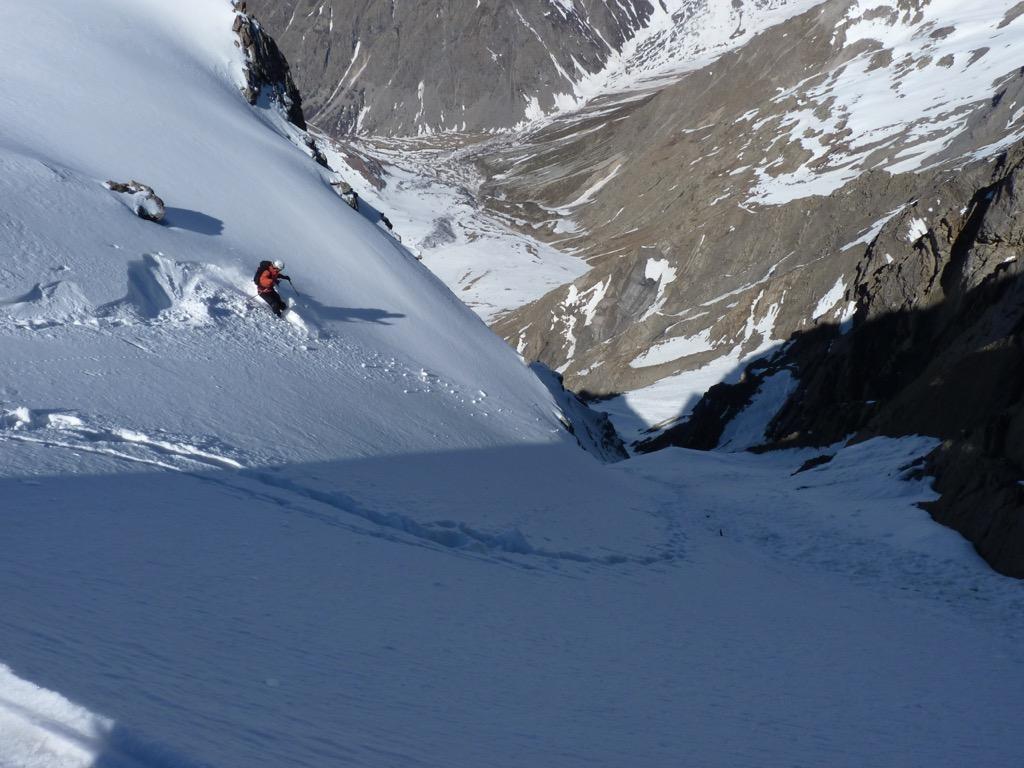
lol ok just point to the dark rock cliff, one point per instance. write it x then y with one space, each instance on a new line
267 72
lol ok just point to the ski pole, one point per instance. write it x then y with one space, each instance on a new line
292 286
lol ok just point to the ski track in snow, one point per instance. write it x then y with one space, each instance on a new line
60 430
170 336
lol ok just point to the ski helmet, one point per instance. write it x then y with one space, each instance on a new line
278 264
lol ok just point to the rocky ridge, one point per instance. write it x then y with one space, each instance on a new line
699 253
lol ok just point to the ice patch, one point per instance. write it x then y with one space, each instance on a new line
846 317
588 194
663 273
660 270
871 232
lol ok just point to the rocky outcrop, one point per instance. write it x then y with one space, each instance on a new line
141 199
267 73
593 430
383 67
268 78
936 347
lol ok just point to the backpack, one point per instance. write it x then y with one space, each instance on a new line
263 267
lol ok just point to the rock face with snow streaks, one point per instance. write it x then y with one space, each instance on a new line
732 206
404 68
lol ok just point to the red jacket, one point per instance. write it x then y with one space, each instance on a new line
268 279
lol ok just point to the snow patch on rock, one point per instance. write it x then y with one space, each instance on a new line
747 429
674 349
830 299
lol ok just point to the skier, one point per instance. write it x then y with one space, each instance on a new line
267 277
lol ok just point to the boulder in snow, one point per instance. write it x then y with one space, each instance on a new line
144 201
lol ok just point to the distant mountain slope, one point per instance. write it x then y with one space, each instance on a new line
381 67
740 196
836 169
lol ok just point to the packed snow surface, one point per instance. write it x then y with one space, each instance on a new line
362 537
294 616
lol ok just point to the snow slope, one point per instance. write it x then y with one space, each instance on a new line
221 618
365 539
86 274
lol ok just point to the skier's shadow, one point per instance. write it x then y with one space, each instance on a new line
321 313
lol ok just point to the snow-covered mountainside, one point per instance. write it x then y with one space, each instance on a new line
87 278
363 536
486 258
837 168
376 67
